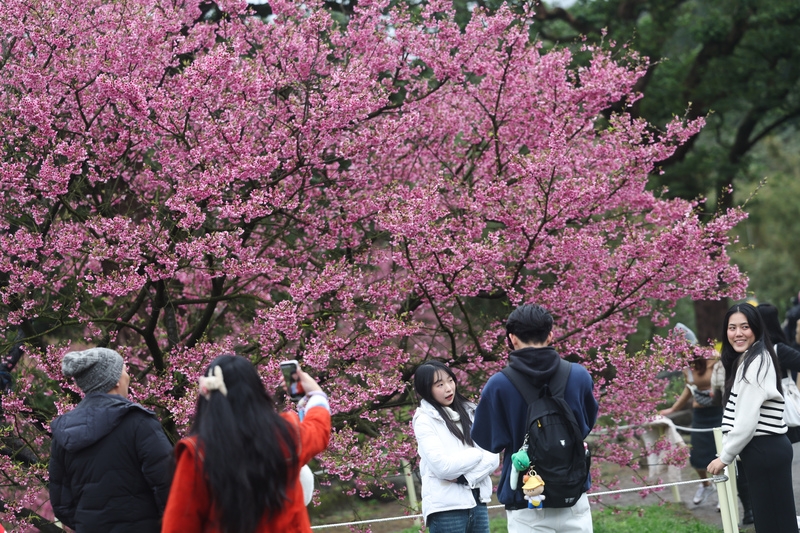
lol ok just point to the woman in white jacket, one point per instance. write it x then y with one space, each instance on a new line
455 472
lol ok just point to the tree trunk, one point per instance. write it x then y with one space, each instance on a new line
709 315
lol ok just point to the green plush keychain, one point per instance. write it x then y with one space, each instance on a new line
520 462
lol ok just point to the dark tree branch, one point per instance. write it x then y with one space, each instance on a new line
149 332
217 288
44 525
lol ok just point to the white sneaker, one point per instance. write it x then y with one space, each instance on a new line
702 493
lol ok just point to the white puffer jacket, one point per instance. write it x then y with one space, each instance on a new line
443 457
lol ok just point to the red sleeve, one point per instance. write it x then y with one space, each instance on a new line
189 502
315 432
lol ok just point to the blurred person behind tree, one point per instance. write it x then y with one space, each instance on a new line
790 330
705 415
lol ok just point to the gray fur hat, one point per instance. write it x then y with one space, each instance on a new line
94 370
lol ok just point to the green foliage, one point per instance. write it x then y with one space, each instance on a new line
683 312
498 525
735 63
769 237
651 519
675 388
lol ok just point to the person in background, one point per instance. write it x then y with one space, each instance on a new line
797 335
109 458
789 361
788 357
752 423
502 411
455 471
706 414
238 471
792 328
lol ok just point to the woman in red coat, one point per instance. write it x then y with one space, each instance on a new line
238 471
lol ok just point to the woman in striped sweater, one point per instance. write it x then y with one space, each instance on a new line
753 424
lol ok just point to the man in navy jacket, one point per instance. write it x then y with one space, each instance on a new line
502 412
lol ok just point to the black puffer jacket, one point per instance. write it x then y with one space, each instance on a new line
110 467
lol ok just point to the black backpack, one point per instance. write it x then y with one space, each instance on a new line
555 443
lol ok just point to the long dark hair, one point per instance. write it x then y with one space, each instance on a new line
423 384
762 344
248 450
772 324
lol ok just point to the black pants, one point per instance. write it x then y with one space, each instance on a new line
767 463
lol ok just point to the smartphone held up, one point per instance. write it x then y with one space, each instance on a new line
293 386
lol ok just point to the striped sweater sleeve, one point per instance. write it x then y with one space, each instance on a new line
755 407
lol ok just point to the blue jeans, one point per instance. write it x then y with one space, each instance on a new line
475 520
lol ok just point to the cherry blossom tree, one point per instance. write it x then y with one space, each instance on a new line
361 197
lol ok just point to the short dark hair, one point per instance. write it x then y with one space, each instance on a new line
530 323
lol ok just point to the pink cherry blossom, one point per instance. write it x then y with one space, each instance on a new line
360 198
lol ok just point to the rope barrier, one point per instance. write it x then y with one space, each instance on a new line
694 430
715 479
604 431
363 522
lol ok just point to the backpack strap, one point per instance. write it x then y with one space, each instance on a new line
529 391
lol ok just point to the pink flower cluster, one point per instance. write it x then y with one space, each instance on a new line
361 198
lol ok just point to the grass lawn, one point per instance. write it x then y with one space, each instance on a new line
651 519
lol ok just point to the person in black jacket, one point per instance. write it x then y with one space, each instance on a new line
788 357
109 458
790 329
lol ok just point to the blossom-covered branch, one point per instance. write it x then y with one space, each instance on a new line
360 198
